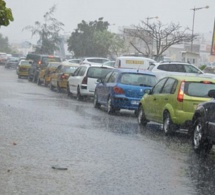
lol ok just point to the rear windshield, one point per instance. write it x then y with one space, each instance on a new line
98 72
69 69
138 79
198 89
97 60
25 62
46 60
53 65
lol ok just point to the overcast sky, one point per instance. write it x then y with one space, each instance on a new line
118 13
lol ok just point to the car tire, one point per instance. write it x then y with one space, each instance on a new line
110 108
58 87
51 86
95 101
141 118
68 90
38 81
79 97
45 83
168 125
199 141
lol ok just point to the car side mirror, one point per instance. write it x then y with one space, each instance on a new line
211 93
148 91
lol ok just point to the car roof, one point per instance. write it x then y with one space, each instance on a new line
191 78
132 70
96 65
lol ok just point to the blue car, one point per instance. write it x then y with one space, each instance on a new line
123 89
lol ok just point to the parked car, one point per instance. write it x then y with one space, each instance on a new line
74 61
93 60
109 63
22 68
203 125
45 74
209 69
169 68
136 62
39 62
83 82
173 100
122 89
3 58
12 62
60 76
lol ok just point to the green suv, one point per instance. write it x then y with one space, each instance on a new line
172 101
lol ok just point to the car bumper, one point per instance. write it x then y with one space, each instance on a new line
125 103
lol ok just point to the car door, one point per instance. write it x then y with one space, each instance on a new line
211 120
55 76
76 79
152 100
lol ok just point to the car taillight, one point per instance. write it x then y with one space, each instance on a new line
39 62
118 90
180 97
63 76
84 81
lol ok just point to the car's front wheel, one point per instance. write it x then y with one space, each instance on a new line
51 87
141 118
95 101
199 141
110 108
168 125
79 96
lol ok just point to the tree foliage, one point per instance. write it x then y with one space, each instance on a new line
5 14
157 37
4 43
48 32
93 39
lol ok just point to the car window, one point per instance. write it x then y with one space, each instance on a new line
98 72
151 66
113 77
157 88
191 69
138 79
107 77
58 70
82 71
77 71
169 86
69 69
198 89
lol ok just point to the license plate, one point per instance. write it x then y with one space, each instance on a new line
135 102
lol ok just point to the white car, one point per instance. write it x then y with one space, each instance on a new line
94 60
83 81
174 68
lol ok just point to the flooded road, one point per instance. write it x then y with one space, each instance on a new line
102 154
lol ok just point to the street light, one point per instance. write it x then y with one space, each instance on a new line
149 18
194 11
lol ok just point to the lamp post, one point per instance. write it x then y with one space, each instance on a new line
194 12
149 18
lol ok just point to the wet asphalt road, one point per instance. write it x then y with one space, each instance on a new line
103 154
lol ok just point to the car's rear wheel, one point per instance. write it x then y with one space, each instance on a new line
110 108
51 87
79 97
38 81
68 90
199 141
168 125
95 101
58 87
141 118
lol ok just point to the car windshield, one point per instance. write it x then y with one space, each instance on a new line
198 89
98 72
138 79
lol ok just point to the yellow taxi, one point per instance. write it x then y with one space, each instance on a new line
45 73
60 76
23 67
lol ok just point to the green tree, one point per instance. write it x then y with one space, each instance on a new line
48 32
92 39
5 14
5 47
